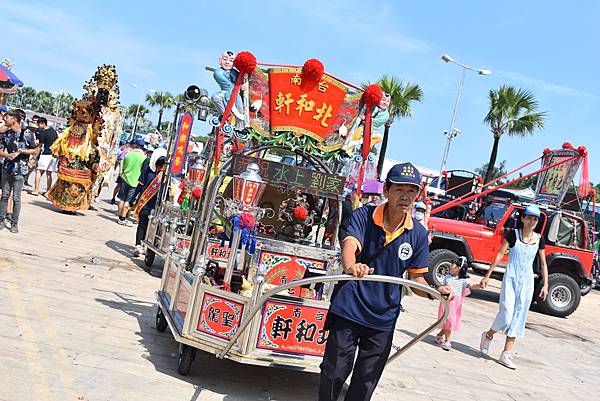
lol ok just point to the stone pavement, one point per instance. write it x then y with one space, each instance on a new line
77 323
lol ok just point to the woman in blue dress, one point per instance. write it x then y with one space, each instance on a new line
517 288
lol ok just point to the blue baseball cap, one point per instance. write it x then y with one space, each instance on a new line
404 173
532 210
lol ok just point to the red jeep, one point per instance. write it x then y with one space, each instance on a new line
569 252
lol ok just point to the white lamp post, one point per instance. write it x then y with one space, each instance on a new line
451 132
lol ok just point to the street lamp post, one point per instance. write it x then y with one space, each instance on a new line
137 112
451 134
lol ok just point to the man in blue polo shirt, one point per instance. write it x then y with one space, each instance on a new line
380 240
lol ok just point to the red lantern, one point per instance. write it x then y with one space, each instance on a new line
300 213
248 187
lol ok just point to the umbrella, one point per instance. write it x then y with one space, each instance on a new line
8 80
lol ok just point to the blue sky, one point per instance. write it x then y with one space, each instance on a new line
549 47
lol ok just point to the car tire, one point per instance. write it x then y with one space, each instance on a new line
563 297
439 262
187 355
161 321
585 289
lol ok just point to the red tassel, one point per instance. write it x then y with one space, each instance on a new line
366 146
585 188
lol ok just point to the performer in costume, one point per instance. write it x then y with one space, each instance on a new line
78 160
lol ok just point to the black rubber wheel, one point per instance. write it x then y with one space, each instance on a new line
149 258
440 261
161 321
585 289
563 297
186 357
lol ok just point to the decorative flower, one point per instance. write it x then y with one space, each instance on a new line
300 213
372 95
567 145
312 71
197 192
547 151
245 62
582 150
247 221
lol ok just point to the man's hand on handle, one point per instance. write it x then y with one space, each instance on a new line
358 270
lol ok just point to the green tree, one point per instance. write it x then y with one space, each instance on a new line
162 100
496 172
513 111
24 98
63 104
43 102
529 182
403 94
130 113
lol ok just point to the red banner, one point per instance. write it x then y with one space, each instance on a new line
294 329
287 268
180 149
219 317
305 110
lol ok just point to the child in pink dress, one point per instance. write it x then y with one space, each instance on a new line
456 278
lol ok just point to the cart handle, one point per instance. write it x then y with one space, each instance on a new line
345 277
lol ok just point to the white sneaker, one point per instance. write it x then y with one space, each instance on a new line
484 344
139 250
506 359
447 346
125 223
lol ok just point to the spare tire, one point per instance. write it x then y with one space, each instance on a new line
440 261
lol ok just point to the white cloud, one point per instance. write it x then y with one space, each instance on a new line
547 86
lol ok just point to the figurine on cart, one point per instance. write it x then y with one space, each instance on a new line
296 217
226 76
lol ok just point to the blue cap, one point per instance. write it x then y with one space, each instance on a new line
140 142
404 173
421 205
532 210
3 107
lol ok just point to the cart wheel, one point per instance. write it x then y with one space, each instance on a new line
161 321
186 356
149 259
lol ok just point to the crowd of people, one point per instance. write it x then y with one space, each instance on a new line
24 149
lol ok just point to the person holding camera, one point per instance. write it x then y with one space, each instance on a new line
15 147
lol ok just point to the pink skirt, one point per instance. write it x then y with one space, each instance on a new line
454 318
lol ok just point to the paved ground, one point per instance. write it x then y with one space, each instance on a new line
77 323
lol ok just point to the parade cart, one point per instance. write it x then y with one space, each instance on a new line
249 270
178 184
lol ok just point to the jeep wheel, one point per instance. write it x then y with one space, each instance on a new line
585 289
563 297
440 261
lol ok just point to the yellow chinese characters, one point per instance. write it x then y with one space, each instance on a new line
296 80
283 101
304 105
323 113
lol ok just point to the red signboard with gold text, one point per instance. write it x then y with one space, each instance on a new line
293 329
287 268
297 107
180 149
219 317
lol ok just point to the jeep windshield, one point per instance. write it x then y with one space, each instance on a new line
492 212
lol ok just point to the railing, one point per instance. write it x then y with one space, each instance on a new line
345 277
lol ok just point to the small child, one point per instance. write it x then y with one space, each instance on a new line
458 279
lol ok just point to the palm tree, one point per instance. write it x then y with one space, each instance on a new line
162 100
513 111
25 97
136 109
402 95
63 104
44 102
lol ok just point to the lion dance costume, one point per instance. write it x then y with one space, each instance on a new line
86 147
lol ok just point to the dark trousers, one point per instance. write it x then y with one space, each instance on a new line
140 234
373 350
11 184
